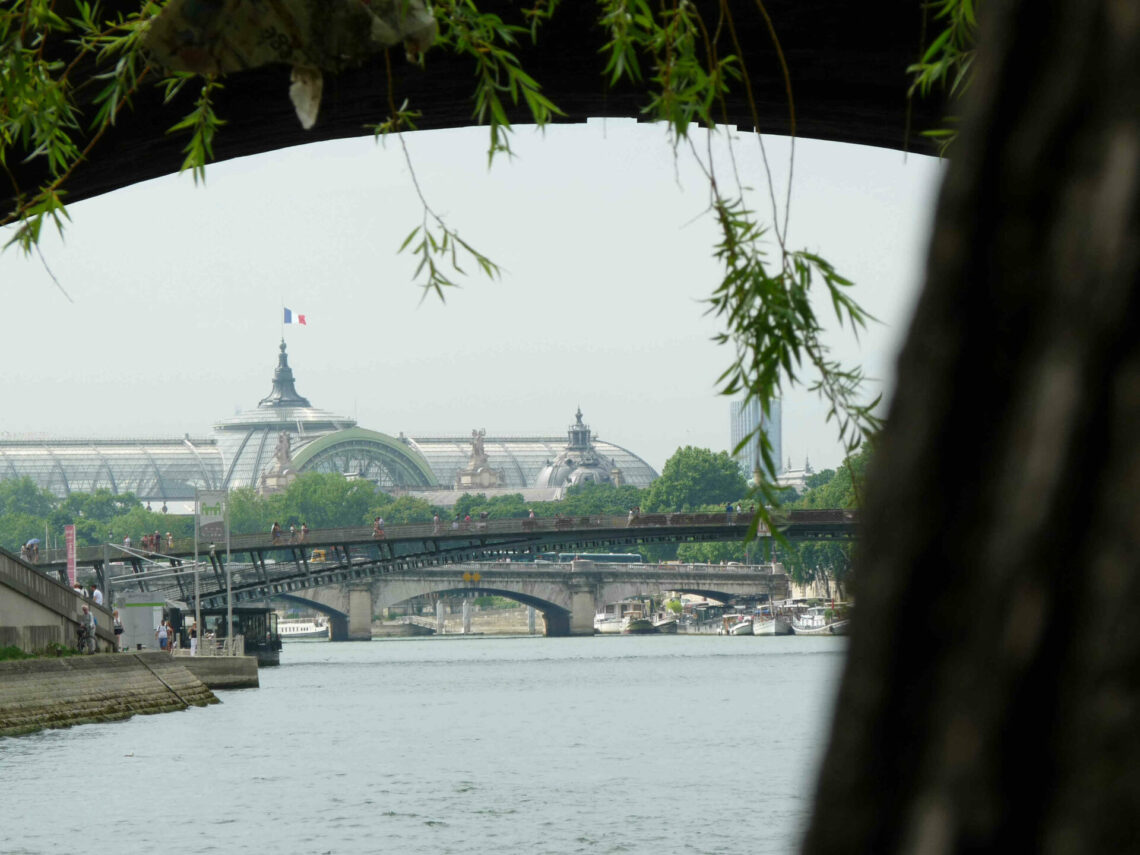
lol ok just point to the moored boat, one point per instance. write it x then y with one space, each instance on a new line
293 628
667 625
635 624
819 621
768 625
738 625
606 624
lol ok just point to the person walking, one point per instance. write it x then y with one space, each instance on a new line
161 635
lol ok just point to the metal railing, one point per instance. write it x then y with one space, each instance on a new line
464 529
413 531
234 646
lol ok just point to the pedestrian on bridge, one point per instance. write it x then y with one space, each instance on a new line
275 531
378 527
304 532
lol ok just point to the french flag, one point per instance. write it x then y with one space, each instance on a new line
291 318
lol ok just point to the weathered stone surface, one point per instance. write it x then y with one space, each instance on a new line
223 672
44 693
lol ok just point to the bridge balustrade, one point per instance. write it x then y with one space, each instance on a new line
343 544
418 531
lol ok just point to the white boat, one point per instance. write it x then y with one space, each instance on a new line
816 621
768 625
628 618
291 628
607 623
741 626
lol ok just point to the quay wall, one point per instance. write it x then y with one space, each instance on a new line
37 611
222 672
36 694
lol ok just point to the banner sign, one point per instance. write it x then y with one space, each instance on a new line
69 539
210 515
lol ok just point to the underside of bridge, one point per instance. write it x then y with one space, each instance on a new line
846 62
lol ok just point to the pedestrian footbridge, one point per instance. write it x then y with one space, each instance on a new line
400 562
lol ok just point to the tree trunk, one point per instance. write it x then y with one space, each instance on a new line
992 691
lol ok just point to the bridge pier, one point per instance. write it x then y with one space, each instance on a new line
583 607
338 628
360 613
557 624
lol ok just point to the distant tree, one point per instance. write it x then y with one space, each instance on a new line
693 477
17 528
328 500
819 478
469 503
22 496
512 506
102 505
711 553
840 491
587 499
248 512
404 510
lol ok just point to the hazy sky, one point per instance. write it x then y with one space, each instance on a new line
606 249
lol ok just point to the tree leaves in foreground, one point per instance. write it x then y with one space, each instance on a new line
684 63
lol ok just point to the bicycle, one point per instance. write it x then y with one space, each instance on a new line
86 641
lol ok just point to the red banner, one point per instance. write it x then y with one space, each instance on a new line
69 539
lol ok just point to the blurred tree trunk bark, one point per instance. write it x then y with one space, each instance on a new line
991 699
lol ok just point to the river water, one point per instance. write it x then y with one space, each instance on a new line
612 744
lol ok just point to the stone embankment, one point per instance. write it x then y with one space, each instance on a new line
36 694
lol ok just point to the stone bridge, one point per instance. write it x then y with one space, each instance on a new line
567 595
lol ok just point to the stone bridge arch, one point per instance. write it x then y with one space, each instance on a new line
555 610
567 597
336 613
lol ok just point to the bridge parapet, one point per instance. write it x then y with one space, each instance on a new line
814 523
36 610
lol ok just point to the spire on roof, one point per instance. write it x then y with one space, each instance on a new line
284 394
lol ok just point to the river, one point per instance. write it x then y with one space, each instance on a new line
611 744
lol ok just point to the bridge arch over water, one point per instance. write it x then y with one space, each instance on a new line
567 595
338 619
